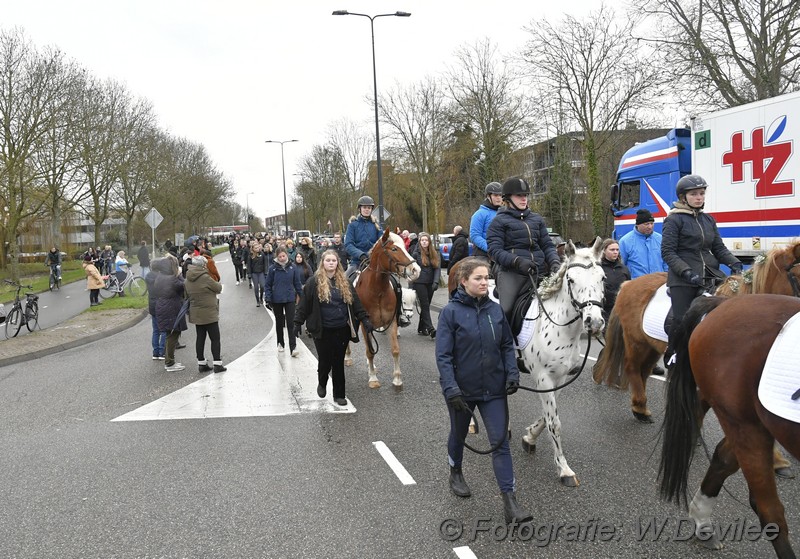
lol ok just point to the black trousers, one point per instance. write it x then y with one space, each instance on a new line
212 331
424 296
330 352
509 287
94 296
284 316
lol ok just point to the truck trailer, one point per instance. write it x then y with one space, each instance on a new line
746 155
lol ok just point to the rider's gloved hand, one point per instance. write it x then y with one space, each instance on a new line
736 268
457 403
692 278
511 387
555 266
362 257
526 266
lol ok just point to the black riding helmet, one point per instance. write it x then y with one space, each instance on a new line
493 188
515 186
689 182
366 201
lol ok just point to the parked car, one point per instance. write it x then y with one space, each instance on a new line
445 241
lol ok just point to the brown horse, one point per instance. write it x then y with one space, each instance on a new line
630 354
388 256
721 349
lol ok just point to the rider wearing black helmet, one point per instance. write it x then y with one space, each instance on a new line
691 246
479 224
520 245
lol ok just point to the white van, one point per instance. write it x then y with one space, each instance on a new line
301 233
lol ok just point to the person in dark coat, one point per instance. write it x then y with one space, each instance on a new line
306 248
519 244
283 288
257 266
428 281
340 249
460 249
330 308
202 291
144 258
477 368
616 273
692 248
159 340
168 290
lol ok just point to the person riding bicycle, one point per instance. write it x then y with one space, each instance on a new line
692 248
53 260
121 270
362 233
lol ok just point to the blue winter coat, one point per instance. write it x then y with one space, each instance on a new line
283 284
515 234
642 253
479 226
362 233
474 349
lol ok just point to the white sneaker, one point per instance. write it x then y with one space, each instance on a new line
295 353
280 348
174 368
237 283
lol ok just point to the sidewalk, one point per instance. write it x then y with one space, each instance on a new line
77 331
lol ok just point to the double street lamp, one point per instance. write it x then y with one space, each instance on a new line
283 171
375 88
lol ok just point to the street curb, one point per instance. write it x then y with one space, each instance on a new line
74 343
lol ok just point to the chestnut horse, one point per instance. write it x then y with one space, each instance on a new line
388 256
721 350
632 353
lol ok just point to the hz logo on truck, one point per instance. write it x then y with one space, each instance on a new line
767 160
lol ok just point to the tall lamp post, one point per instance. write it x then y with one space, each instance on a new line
247 208
375 89
283 171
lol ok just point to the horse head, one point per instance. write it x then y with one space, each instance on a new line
584 277
389 254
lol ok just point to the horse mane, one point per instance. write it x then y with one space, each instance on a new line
758 277
552 284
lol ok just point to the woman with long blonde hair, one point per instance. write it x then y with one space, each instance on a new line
330 307
428 281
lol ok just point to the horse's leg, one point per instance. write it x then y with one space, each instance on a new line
532 434
397 379
348 361
373 374
723 465
565 473
754 445
634 369
783 468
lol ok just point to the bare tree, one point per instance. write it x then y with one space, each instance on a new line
724 53
594 72
324 192
488 101
356 148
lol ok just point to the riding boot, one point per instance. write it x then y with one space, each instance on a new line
513 511
521 364
457 483
402 319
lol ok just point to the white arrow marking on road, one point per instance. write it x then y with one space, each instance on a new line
394 463
464 552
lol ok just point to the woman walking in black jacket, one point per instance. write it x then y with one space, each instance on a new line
428 281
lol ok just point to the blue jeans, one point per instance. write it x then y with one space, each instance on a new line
259 285
159 339
494 415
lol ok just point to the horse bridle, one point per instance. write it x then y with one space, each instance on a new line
393 261
578 306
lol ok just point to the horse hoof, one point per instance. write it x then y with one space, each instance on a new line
528 447
474 429
784 473
642 417
712 542
397 387
348 362
374 384
569 481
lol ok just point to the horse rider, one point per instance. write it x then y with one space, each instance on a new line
479 224
363 231
692 248
520 246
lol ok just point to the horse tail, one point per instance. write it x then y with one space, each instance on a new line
683 415
610 362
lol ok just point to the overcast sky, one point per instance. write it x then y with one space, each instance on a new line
232 74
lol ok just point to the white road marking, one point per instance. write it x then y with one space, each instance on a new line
464 552
262 382
394 463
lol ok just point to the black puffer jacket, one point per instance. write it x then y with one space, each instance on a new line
616 273
515 234
690 240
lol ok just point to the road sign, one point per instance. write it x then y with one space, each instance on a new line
386 213
153 218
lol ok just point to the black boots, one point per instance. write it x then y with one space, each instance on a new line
513 511
457 483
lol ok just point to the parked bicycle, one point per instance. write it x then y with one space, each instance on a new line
19 315
132 285
55 276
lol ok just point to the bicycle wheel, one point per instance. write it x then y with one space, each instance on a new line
136 287
110 289
13 322
58 284
32 316
52 281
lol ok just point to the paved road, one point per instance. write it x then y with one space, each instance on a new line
311 483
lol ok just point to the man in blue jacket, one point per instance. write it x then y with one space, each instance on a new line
640 249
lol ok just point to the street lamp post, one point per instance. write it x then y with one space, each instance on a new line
283 172
247 208
375 93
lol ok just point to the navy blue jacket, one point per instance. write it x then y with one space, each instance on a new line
309 311
515 234
474 349
362 233
283 284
